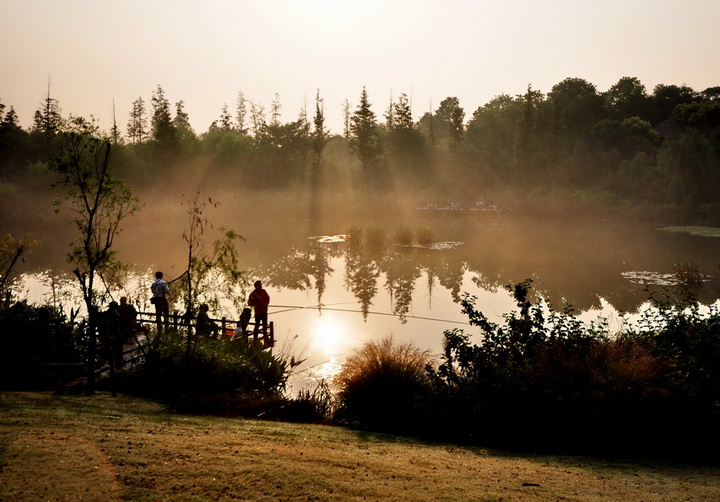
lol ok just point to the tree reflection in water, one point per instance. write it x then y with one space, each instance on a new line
368 254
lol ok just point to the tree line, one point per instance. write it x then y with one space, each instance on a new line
626 143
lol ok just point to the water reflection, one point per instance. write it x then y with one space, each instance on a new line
332 291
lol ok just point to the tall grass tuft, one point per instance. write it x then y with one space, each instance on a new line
403 236
375 238
425 236
384 386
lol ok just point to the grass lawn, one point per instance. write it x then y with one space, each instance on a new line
71 447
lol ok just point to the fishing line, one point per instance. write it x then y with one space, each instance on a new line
289 308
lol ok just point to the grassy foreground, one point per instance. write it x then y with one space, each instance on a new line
71 447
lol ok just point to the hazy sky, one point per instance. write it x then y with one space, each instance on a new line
204 52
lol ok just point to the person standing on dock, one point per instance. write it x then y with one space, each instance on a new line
160 291
259 300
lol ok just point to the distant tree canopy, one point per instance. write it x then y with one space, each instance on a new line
625 141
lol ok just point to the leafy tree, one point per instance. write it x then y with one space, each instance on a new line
161 123
578 103
241 114
224 123
406 144
711 93
364 139
403 113
15 147
257 118
449 119
47 123
628 136
188 144
98 202
137 125
691 166
10 122
666 98
181 119
214 274
320 133
390 116
628 98
275 111
346 118
491 131
426 125
283 151
456 119
526 133
703 116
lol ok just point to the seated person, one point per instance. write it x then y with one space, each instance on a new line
205 327
241 330
128 319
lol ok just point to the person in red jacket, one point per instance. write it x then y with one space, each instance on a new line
259 300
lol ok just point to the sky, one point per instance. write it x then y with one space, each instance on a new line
100 56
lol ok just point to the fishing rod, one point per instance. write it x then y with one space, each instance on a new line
289 308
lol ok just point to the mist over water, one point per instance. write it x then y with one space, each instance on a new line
328 298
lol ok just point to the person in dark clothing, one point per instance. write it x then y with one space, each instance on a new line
259 300
204 326
110 336
128 319
160 291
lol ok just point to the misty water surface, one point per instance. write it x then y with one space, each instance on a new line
329 295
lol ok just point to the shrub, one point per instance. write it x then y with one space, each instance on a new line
384 386
31 335
543 379
610 393
690 341
213 370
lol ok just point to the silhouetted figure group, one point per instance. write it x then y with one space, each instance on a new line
259 300
117 326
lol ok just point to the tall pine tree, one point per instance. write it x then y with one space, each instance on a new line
364 138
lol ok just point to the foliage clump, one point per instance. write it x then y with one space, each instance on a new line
209 378
34 335
544 380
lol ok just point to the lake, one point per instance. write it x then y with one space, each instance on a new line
336 283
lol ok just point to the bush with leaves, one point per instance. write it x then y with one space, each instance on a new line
544 379
31 335
688 337
214 371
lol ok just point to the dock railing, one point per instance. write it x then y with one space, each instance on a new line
133 350
226 327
